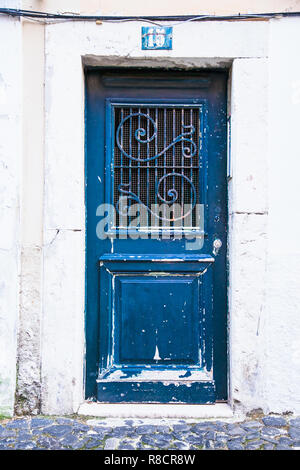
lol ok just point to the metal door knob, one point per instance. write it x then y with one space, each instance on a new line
216 246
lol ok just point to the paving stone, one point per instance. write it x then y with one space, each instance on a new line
274 421
93 443
162 440
111 443
221 440
146 429
252 435
295 422
163 429
46 442
123 431
294 433
80 427
208 444
81 444
251 425
234 445
4 446
165 445
220 424
270 432
196 440
65 433
268 447
220 428
126 447
58 430
178 435
8 433
220 445
181 445
64 421
40 422
129 422
269 440
29 445
101 433
210 435
24 436
181 428
296 443
69 441
18 424
139 446
202 428
231 426
237 440
156 441
237 431
256 445
285 441
36 432
133 436
7 440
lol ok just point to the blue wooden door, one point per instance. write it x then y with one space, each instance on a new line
156 236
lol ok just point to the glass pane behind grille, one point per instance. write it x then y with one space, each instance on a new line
156 164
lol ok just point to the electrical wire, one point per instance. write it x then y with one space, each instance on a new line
180 19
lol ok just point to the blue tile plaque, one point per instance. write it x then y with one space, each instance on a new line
156 37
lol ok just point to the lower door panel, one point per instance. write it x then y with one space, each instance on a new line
158 345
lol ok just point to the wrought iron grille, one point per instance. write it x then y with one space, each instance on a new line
156 164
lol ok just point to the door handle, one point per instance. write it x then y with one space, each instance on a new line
216 246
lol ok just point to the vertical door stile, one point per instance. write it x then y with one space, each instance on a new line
155 161
129 159
139 156
201 169
121 153
182 164
148 163
165 157
173 156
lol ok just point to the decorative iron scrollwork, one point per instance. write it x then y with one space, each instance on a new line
187 152
171 193
169 138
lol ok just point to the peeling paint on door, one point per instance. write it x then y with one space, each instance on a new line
156 313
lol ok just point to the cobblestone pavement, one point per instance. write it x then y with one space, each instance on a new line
43 433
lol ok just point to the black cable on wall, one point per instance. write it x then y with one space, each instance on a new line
152 19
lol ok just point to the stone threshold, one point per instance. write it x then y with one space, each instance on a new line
143 410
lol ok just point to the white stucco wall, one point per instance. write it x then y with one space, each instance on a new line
283 264
253 333
194 44
264 229
247 232
10 166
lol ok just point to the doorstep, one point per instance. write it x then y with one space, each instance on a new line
144 410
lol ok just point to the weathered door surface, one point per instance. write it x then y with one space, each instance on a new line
156 236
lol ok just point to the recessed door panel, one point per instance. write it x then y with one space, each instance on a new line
153 322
